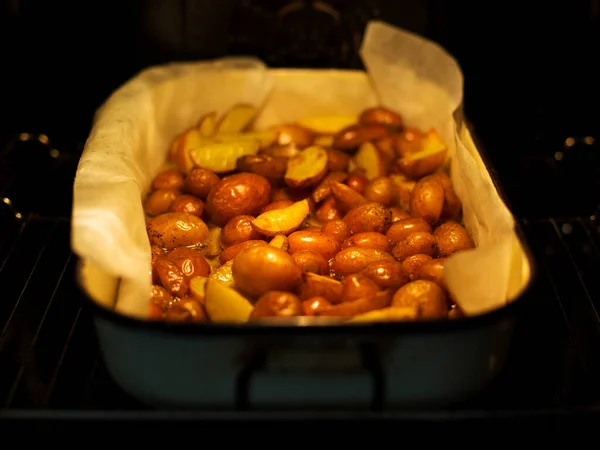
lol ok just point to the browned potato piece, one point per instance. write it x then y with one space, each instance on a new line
168 179
427 295
368 239
175 229
239 229
413 263
415 243
346 198
187 309
432 270
188 204
357 286
328 211
240 194
159 202
369 158
313 241
323 190
354 259
386 273
200 181
382 116
368 217
281 151
190 262
172 278
270 167
277 304
410 140
160 297
311 262
337 229
357 182
427 160
279 204
307 168
403 188
452 237
380 190
321 286
400 230
293 134
427 200
313 305
353 136
277 269
452 204
232 251
337 161
282 221
398 214
378 300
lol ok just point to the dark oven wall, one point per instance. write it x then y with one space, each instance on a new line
63 58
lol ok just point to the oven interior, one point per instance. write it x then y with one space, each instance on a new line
531 99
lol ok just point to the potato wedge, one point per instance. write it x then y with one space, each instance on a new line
368 158
187 141
321 286
265 138
307 168
207 124
198 288
389 314
280 241
362 305
236 119
213 245
282 221
224 274
327 124
424 162
346 198
224 305
221 157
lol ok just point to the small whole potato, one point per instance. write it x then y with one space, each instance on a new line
321 286
277 304
159 202
427 200
239 229
175 229
346 198
368 217
415 243
270 167
432 270
413 263
200 181
362 305
265 268
160 297
380 190
354 259
190 262
323 189
293 134
357 182
187 309
337 229
452 237
168 179
386 273
400 230
398 214
328 211
409 141
313 241
240 194
233 250
188 204
426 295
337 161
171 278
311 262
313 305
382 116
353 136
357 286
368 239
452 204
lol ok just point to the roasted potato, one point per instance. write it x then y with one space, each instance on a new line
176 229
277 304
239 229
419 242
427 200
200 181
424 294
368 217
452 237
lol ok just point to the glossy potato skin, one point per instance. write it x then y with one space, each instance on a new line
239 229
189 261
168 179
427 201
188 204
368 239
419 242
176 229
200 181
313 241
400 229
386 273
187 309
452 237
311 262
159 201
369 217
427 295
277 269
240 194
354 259
277 304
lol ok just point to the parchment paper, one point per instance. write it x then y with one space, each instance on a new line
134 128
